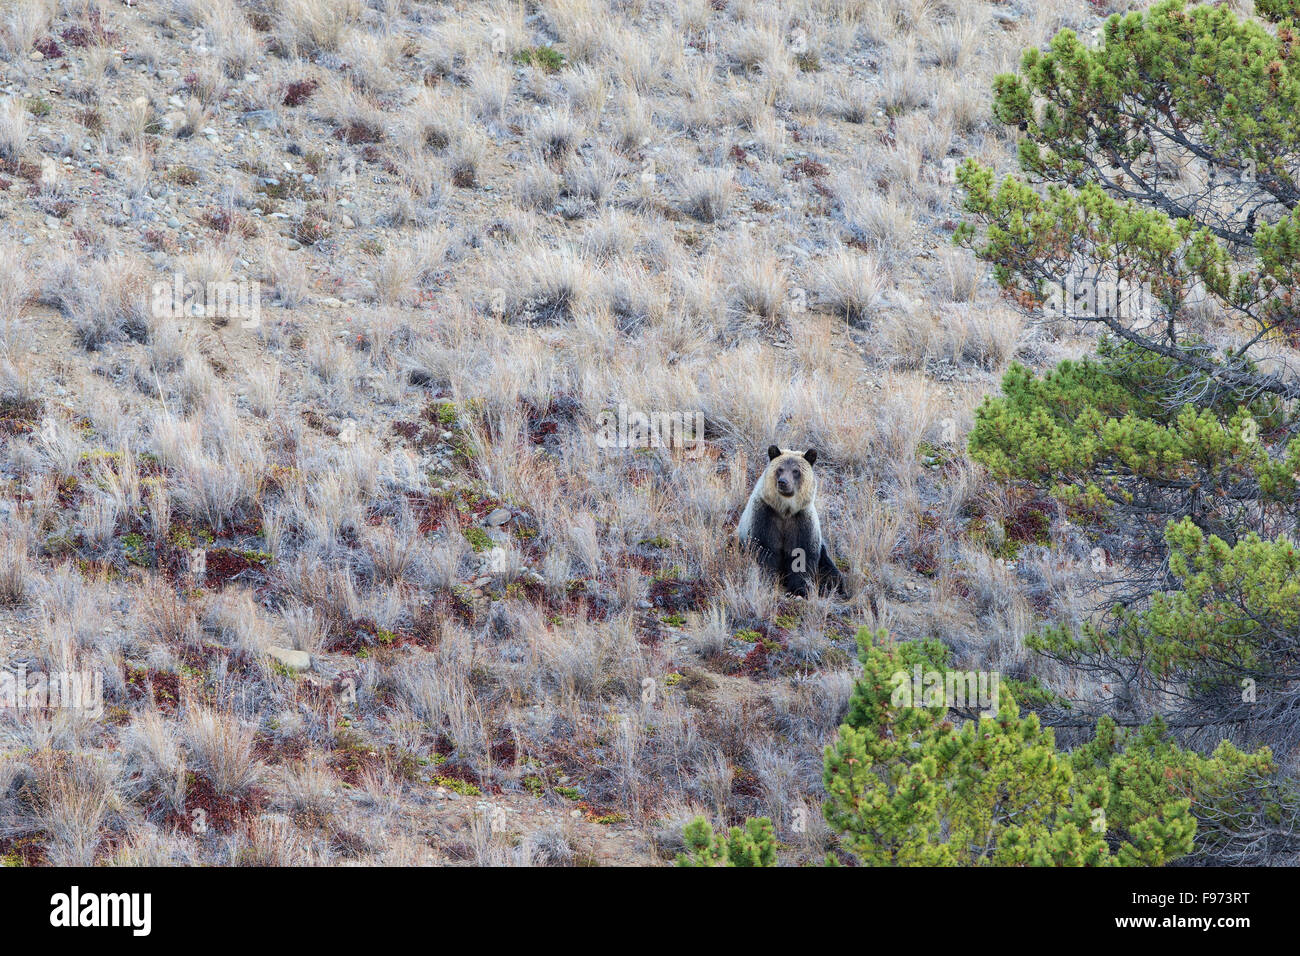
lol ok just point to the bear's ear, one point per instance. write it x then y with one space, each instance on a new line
773 453
810 456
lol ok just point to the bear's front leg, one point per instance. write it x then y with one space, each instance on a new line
796 576
797 584
829 574
768 559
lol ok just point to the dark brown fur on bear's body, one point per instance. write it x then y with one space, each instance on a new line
781 524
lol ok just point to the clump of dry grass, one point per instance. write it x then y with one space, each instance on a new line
14 126
15 293
310 26
229 32
105 301
953 43
153 748
15 570
761 285
545 286
881 221
21 25
222 749
72 798
217 464
852 283
707 194
290 281
960 335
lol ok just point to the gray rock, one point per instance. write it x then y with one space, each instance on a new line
498 517
259 119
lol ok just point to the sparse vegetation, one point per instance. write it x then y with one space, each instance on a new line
380 383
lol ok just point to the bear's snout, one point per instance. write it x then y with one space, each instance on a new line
784 485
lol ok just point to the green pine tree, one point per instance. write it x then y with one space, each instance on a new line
906 786
1163 160
752 845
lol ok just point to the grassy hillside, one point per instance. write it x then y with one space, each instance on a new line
360 576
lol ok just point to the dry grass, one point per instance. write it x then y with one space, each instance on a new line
851 284
21 24
310 26
223 749
475 232
14 125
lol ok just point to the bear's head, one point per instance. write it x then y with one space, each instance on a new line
789 483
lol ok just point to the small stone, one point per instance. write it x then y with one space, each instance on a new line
498 517
294 660
259 119
37 55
